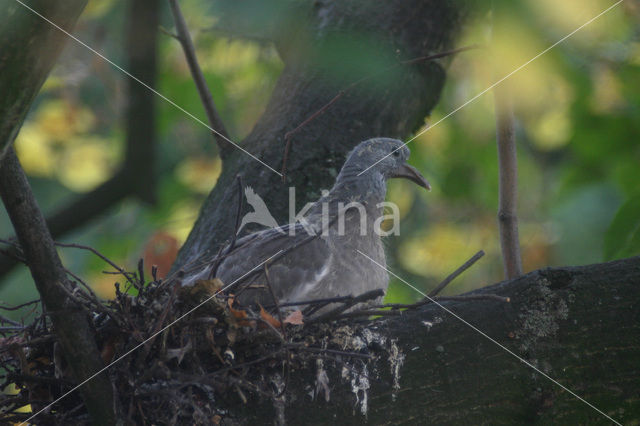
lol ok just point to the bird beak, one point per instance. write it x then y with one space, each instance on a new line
409 172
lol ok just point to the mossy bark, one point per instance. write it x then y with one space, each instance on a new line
579 325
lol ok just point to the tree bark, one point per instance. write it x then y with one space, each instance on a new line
73 329
29 48
579 325
393 103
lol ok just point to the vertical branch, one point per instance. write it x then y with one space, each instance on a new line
71 325
508 184
220 134
141 35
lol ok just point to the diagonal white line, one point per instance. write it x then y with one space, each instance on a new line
119 68
493 340
152 336
496 83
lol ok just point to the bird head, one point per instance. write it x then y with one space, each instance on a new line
379 159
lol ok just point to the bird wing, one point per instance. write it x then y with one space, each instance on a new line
294 275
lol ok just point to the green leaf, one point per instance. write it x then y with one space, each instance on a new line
623 236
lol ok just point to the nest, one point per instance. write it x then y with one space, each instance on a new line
189 355
176 355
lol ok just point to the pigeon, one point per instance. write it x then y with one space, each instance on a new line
317 257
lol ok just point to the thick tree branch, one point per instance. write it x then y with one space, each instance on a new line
24 69
579 325
74 332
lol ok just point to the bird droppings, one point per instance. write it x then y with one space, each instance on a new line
396 359
280 400
322 381
359 379
350 338
359 372
430 324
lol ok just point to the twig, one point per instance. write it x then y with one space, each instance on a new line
275 300
141 279
369 295
508 172
82 282
15 308
464 298
508 184
282 327
31 342
382 310
452 276
371 312
231 246
238 213
92 298
314 301
158 326
220 134
11 329
165 31
124 273
10 321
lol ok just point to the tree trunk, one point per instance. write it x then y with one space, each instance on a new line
392 101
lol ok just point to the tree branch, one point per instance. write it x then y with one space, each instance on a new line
143 18
444 372
220 134
137 175
74 331
23 69
508 184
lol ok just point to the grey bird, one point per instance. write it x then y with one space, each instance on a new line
326 264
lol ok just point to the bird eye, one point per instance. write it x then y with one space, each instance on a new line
396 153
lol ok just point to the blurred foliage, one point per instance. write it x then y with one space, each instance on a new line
578 131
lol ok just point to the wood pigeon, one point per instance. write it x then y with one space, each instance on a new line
320 257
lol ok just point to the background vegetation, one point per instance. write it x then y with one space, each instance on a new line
578 123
